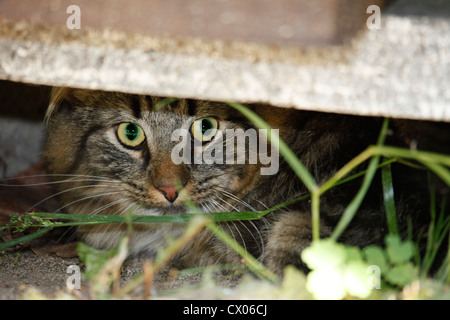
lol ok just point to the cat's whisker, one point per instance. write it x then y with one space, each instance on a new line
231 229
111 233
264 219
109 205
260 247
72 176
242 238
232 196
55 182
208 208
70 190
88 198
261 203
229 204
218 205
123 211
71 238
266 222
260 244
203 208
133 204
234 225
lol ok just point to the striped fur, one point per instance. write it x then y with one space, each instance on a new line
107 178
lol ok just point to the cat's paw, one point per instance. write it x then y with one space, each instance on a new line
288 237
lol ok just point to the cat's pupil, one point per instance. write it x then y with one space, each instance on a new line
132 131
206 125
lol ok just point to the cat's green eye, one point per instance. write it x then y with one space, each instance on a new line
204 129
130 134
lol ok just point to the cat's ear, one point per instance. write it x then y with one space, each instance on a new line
58 94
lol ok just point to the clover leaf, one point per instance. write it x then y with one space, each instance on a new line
398 251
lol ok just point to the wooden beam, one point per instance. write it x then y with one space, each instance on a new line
280 22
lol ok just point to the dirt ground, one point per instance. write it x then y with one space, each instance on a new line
23 270
27 275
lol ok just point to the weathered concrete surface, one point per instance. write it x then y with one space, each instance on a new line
401 70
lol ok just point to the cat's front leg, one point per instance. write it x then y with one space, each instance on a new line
290 234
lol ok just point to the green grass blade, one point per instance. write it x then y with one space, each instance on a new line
440 171
175 218
254 265
163 102
26 238
389 201
362 173
437 230
354 205
290 157
421 156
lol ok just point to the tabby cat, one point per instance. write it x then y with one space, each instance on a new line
111 152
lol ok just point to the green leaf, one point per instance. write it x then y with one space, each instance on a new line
93 258
352 254
397 251
376 256
293 280
324 254
355 279
402 275
326 284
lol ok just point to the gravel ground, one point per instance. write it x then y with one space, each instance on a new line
21 271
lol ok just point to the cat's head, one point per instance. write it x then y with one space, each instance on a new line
110 151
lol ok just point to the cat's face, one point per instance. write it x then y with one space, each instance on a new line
117 151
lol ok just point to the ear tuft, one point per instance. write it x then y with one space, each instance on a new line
58 94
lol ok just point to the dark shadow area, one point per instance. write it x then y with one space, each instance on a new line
25 101
421 8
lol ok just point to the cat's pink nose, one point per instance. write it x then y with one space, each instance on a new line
170 192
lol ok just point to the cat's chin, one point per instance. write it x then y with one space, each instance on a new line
163 211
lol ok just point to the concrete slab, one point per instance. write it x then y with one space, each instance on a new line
401 70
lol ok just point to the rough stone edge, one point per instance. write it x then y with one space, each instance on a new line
399 71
